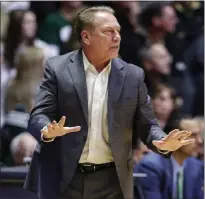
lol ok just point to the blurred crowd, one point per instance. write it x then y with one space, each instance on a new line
166 39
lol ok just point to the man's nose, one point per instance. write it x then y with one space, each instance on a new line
117 36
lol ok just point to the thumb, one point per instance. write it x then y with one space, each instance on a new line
157 143
71 129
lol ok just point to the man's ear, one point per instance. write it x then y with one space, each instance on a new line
85 37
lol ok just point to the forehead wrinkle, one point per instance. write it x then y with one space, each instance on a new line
111 25
105 18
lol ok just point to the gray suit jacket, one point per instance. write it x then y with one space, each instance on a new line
63 92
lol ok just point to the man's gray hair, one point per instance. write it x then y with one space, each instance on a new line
86 18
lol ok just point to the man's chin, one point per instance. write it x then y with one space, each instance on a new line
114 55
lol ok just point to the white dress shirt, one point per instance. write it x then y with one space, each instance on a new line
97 149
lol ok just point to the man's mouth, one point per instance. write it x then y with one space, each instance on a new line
115 47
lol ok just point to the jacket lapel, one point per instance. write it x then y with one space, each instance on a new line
77 72
115 85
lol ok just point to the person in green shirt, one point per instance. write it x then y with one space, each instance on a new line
57 27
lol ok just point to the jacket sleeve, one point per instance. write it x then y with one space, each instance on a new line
150 185
145 122
44 110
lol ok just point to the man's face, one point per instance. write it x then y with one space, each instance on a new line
161 59
29 25
192 149
104 39
163 103
169 19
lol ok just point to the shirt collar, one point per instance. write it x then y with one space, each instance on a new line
87 64
175 164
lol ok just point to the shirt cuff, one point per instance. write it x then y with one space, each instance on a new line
162 152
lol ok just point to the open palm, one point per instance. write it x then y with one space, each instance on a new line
55 129
173 141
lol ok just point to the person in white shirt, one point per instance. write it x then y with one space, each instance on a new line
21 33
88 107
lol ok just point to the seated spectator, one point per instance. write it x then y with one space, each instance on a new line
21 33
158 19
7 74
194 59
150 24
140 152
22 147
22 89
20 95
127 13
73 43
166 104
59 24
190 26
156 62
179 177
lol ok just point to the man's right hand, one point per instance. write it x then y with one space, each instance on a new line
55 129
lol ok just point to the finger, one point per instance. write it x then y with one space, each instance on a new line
71 129
62 121
186 142
181 134
158 143
55 125
50 127
172 133
185 136
178 135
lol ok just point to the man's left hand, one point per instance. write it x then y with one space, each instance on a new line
173 141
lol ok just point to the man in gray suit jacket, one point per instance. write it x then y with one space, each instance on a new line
89 106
